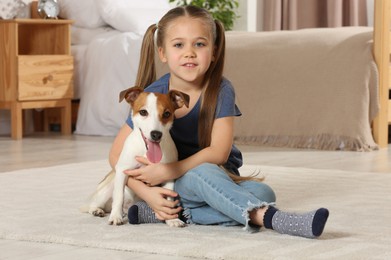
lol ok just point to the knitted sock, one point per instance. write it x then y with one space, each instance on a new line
310 224
141 213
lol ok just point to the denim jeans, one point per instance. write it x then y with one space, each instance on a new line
210 197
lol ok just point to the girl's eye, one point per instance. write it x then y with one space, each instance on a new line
178 45
200 44
143 112
166 114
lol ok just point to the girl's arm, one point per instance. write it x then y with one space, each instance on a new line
118 144
216 153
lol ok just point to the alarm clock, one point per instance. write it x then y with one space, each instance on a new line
48 9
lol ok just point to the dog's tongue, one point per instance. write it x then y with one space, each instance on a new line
154 153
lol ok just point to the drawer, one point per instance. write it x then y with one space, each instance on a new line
44 77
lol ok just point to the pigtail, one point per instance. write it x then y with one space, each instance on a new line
213 78
146 73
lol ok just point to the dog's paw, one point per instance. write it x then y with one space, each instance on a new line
97 212
175 223
116 219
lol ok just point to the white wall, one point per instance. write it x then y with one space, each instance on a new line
241 22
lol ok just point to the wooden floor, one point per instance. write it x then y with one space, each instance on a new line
40 150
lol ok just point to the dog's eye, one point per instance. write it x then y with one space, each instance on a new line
143 112
166 114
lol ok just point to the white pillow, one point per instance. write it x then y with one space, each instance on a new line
85 13
132 15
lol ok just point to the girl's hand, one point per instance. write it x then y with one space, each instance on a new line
151 174
163 208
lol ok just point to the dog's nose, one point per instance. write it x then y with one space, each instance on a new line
156 135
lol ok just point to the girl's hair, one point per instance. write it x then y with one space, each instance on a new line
146 74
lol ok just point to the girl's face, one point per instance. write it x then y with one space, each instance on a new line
187 49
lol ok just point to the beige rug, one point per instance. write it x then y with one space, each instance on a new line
42 205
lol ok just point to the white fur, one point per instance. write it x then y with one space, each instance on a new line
113 187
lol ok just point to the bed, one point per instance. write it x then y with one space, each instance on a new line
312 88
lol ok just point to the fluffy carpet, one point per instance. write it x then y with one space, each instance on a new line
42 204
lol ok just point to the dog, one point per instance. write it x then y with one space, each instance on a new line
152 115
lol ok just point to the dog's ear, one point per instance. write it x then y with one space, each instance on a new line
179 98
130 94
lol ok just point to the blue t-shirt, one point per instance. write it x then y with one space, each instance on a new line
184 131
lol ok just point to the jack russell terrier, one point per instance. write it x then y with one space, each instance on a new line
152 115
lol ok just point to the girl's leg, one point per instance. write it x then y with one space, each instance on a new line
207 189
209 196
260 190
212 216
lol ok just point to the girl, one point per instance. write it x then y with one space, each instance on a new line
192 44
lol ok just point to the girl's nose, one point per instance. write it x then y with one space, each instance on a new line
190 53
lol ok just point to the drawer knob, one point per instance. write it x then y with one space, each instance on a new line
47 79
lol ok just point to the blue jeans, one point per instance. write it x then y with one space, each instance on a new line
210 197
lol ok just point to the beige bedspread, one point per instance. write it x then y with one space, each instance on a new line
312 88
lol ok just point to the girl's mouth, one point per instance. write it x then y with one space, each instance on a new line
189 65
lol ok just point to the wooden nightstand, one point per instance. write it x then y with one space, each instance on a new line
36 69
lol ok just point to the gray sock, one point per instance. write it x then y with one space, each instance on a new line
141 213
308 225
